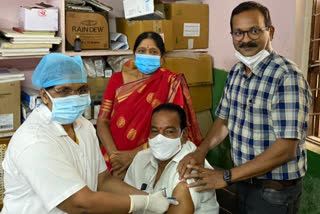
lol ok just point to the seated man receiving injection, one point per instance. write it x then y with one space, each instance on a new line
154 169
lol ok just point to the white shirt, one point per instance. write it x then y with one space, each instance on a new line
144 169
43 166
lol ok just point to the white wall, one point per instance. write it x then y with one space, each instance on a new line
284 18
303 32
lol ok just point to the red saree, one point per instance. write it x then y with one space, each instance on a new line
129 107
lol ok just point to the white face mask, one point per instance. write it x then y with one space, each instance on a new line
252 61
163 148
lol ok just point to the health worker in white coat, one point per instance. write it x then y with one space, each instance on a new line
53 163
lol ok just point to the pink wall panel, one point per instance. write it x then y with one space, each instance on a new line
220 42
10 10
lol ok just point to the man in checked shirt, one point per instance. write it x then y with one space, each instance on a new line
264 109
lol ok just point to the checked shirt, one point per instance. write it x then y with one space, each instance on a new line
271 103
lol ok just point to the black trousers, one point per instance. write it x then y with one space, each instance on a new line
256 199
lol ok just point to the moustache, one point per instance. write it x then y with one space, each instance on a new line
248 45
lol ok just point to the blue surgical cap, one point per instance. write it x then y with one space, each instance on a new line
57 69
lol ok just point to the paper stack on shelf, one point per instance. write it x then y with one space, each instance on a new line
87 5
16 42
10 75
23 52
5 44
98 4
78 5
79 8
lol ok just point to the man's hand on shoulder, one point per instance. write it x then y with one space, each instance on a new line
195 158
208 179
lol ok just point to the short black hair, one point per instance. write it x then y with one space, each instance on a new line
150 35
171 107
252 5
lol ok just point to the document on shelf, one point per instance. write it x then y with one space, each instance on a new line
119 41
56 40
6 44
9 75
10 33
99 4
23 50
24 53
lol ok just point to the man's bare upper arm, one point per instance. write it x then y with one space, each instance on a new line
182 194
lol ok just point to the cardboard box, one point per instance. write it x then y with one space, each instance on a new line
10 116
97 88
205 121
92 28
132 29
39 19
191 25
201 97
196 71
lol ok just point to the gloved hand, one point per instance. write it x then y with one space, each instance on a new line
153 203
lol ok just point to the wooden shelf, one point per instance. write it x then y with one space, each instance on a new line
21 57
82 53
99 53
7 134
189 50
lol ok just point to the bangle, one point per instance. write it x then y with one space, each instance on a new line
112 156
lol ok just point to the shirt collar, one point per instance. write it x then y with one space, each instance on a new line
258 71
262 65
186 148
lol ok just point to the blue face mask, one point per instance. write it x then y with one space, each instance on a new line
147 64
65 110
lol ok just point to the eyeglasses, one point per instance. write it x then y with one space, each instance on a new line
254 33
65 91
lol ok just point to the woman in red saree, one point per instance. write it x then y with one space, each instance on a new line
125 114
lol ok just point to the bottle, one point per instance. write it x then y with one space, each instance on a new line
77 44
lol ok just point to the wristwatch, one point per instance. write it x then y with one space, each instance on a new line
227 176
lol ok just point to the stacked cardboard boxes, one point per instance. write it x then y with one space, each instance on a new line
190 25
132 29
186 26
198 73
